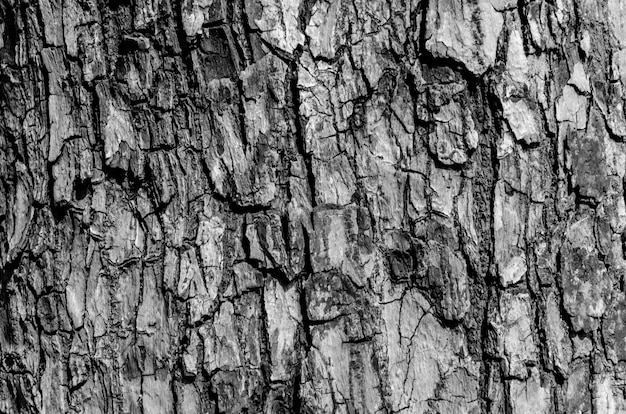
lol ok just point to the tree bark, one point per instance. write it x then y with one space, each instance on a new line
310 206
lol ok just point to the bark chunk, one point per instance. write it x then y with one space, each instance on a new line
467 32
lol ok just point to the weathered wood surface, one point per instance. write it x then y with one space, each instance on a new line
347 206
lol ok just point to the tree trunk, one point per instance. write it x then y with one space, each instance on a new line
346 206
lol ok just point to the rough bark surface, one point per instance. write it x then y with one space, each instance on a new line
346 206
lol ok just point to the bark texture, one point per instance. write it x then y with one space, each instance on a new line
310 206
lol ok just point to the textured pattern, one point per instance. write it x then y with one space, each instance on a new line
311 206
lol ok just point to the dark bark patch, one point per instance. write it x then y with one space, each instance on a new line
82 188
116 4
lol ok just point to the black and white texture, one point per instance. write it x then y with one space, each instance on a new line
312 206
